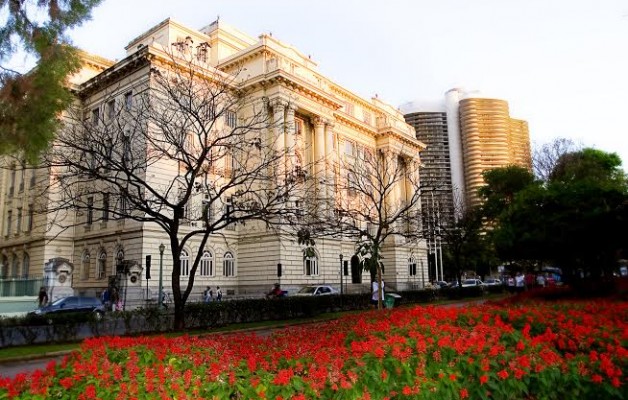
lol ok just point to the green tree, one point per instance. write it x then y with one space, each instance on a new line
576 220
31 103
502 184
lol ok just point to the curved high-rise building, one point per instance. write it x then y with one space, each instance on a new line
487 141
481 136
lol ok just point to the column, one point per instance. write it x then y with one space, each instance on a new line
319 147
331 160
279 142
291 141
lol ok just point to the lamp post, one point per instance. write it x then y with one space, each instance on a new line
341 271
161 273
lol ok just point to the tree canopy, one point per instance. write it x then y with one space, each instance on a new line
30 103
575 220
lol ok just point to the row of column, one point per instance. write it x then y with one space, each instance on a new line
284 137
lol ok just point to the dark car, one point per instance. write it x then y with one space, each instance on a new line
73 304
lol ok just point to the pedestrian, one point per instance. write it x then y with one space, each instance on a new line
114 297
375 297
520 282
42 299
209 295
218 294
105 298
275 292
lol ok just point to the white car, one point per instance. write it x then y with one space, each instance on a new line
316 290
472 282
492 282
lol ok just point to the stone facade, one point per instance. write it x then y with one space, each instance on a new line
318 119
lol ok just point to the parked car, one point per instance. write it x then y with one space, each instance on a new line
441 284
472 282
492 282
316 290
73 304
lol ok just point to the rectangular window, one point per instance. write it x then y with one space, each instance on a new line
311 266
207 266
95 116
124 205
21 185
128 101
348 108
298 126
201 52
207 214
12 185
90 210
33 178
367 117
19 220
29 220
349 148
230 118
412 269
111 110
9 222
105 207
228 267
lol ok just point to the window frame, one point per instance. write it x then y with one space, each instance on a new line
184 263
228 265
207 264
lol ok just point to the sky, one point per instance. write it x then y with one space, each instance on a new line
562 65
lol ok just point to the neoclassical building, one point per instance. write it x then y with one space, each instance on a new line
314 117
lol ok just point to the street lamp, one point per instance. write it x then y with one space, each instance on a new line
161 273
341 290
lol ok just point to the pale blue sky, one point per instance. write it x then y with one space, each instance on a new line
561 64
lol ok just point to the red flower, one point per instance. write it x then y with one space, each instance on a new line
503 374
464 393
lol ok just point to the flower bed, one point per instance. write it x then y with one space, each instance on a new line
563 350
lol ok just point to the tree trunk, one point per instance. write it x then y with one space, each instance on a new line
179 314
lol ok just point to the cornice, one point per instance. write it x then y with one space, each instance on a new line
131 63
295 84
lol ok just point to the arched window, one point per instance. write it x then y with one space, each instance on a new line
310 266
184 262
228 265
26 264
411 266
15 266
85 265
101 266
207 264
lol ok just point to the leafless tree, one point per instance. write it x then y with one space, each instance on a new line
371 198
193 149
546 156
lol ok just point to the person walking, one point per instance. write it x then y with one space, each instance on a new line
375 297
42 298
218 294
209 295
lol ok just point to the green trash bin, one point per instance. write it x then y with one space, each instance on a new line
389 301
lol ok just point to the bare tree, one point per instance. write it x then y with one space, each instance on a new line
546 157
193 146
373 198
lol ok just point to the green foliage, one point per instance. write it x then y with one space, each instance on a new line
30 104
576 220
502 184
589 165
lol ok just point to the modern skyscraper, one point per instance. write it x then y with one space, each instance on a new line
481 136
466 134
